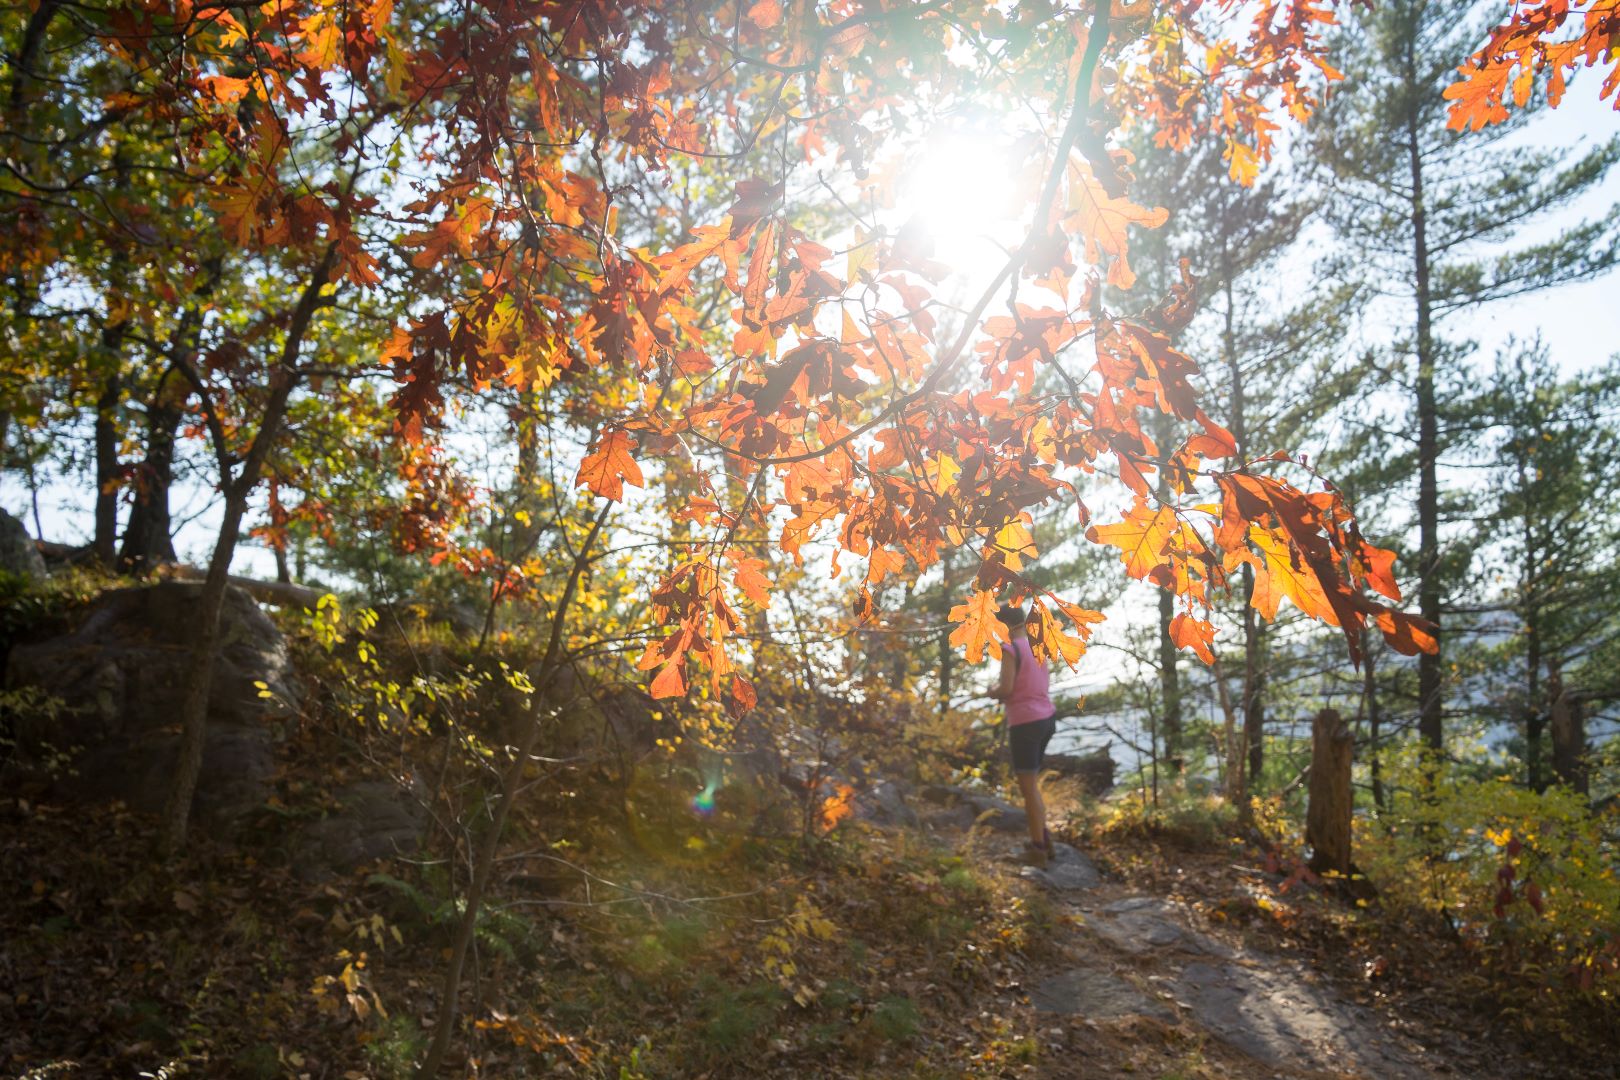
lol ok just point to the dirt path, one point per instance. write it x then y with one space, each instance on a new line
1138 957
1142 984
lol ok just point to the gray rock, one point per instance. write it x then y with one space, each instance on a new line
884 803
1096 995
378 819
989 811
1143 924
18 554
952 817
119 676
1272 1014
1068 870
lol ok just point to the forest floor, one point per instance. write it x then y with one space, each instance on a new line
875 952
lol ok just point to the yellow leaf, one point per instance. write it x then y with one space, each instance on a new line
1141 537
1016 544
1243 163
323 40
1279 575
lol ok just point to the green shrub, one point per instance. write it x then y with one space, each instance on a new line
1196 821
1529 878
396 1046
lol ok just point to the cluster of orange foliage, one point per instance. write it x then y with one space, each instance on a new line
824 384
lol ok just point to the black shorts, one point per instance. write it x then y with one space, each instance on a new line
1028 743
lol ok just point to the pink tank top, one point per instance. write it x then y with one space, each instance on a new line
1029 701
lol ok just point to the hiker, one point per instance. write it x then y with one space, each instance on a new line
1030 724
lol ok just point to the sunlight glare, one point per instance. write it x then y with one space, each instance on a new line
961 191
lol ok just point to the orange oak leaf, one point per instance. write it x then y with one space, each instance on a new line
1378 566
609 467
765 13
1104 223
1187 632
755 585
1049 639
1407 634
743 696
1279 573
980 628
670 681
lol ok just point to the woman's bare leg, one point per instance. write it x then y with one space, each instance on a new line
1034 807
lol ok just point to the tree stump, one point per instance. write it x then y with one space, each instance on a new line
1327 817
1568 734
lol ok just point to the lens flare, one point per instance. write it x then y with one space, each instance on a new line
703 802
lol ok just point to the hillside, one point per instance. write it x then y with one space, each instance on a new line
635 929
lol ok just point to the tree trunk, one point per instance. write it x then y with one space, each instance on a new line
947 652
1534 716
1253 630
199 675
1430 670
1236 775
1568 733
148 539
1369 691
1169 674
1169 685
1328 812
106 440
1254 682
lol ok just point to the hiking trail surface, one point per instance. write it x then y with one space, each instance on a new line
1181 963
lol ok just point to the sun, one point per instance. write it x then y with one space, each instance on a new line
961 191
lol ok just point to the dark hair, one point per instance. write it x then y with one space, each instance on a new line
1011 615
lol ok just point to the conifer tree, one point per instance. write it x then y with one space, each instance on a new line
1432 218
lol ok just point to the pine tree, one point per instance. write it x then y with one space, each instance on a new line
1431 217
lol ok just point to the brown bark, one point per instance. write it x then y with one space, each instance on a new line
1430 669
1568 733
1235 778
1534 717
1169 672
148 540
1369 691
1328 812
1170 685
1253 630
106 441
199 678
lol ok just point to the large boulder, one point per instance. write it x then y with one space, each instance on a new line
371 819
967 807
18 553
119 678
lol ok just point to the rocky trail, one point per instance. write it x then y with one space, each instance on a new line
1153 980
